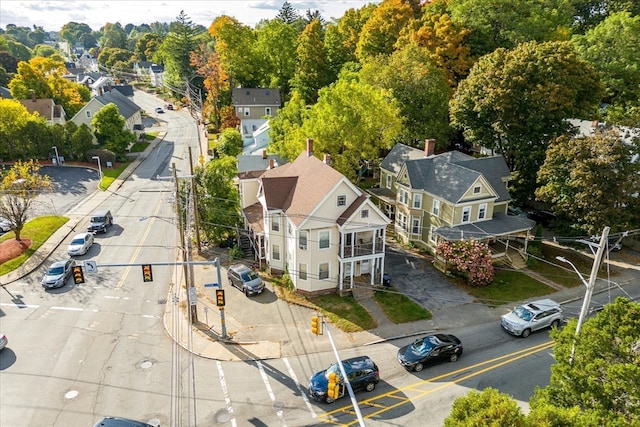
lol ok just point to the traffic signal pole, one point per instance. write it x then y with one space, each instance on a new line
354 402
223 325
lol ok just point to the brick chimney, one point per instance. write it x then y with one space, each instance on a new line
327 159
272 164
264 154
309 147
429 147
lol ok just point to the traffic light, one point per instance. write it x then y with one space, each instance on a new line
220 297
147 273
78 275
316 325
333 388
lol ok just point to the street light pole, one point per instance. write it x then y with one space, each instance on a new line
99 166
57 157
589 285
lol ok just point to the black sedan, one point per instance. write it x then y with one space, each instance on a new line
429 349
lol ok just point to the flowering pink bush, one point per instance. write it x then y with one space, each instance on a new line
469 259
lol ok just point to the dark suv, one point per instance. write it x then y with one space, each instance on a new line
362 372
100 221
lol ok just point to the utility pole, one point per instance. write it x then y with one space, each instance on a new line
196 221
193 309
589 285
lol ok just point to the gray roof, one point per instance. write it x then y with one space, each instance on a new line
5 93
255 96
256 162
126 107
501 224
450 175
399 154
126 90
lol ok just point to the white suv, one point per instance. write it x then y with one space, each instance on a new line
532 316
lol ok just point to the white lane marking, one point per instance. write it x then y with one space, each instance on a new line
225 393
267 384
67 308
7 304
292 374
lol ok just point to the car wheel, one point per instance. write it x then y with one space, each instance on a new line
555 324
370 386
526 333
419 367
246 293
329 399
453 357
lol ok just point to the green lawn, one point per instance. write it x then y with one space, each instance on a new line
400 308
111 174
38 230
508 286
345 312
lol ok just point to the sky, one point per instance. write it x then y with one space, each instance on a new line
53 14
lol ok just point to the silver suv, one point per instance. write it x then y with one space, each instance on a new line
532 316
245 279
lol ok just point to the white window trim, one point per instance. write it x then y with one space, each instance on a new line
432 234
435 208
389 181
477 189
417 201
328 270
482 210
364 213
416 223
275 223
274 252
342 197
302 271
467 210
306 240
320 240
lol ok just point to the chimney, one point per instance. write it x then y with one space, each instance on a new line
327 159
309 147
429 147
272 164
264 154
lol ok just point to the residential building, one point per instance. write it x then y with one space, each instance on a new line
454 196
126 107
307 219
254 106
47 108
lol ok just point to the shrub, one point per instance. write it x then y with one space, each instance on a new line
469 259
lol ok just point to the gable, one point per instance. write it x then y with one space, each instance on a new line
362 213
478 190
255 97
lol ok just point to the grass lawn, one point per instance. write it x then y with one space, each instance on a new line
38 230
399 308
111 174
345 312
508 286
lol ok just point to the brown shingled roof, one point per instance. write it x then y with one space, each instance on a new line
352 208
314 180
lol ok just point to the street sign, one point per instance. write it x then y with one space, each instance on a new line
211 285
193 296
91 266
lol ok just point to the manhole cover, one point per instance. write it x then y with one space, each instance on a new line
278 406
222 416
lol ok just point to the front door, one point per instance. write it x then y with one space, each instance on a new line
364 267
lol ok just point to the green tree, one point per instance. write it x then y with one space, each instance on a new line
218 198
111 55
383 28
507 23
176 50
73 31
276 45
47 51
287 14
619 33
8 61
353 122
19 187
17 130
495 104
235 44
592 181
487 408
420 89
81 140
113 36
602 378
312 70
109 129
285 125
590 13
229 143
147 46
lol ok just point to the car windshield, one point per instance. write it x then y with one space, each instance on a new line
79 241
249 276
523 313
54 271
425 345
97 219
333 368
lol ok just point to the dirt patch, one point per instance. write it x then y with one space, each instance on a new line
12 248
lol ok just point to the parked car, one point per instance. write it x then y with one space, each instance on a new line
3 341
169 106
120 422
532 316
159 110
362 372
80 244
542 217
516 211
100 221
57 274
245 279
432 348
5 225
